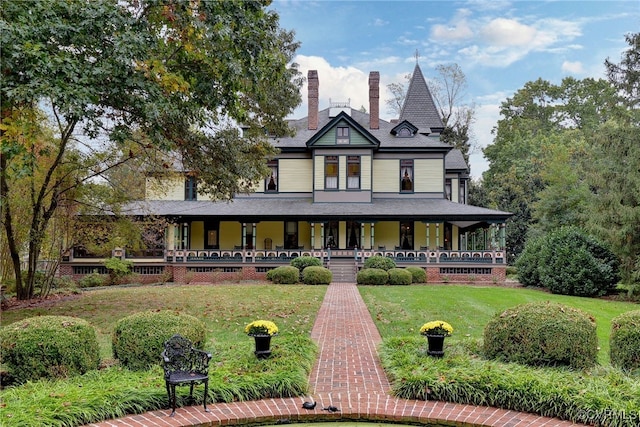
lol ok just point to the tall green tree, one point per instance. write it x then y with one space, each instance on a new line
135 78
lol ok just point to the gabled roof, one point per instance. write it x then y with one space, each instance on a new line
383 135
419 108
402 125
337 119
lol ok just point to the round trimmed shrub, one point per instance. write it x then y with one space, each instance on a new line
314 275
303 262
527 263
138 339
542 334
381 262
49 347
399 276
625 340
570 262
285 274
418 275
372 276
93 280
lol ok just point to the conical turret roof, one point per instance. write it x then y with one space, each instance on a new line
419 108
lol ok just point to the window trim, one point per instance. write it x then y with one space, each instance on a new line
272 165
407 168
190 188
331 160
354 160
343 135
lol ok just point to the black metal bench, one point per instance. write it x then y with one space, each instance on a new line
184 364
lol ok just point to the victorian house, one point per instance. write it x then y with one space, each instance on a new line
347 186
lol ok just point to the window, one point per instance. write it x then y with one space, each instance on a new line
342 135
291 235
406 235
447 188
331 235
190 188
406 172
404 133
271 183
331 172
353 172
353 233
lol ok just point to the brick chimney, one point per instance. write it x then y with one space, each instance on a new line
374 100
312 81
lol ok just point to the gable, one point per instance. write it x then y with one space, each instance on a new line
343 131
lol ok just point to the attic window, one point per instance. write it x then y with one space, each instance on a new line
342 135
404 133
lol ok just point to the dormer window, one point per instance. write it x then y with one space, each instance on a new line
342 135
404 133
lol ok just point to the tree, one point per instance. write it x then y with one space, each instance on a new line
398 94
625 76
449 92
539 122
137 79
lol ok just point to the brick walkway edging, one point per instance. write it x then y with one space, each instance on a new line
347 375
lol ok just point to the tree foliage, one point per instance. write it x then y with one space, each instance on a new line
138 79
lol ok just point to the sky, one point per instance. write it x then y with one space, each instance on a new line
499 45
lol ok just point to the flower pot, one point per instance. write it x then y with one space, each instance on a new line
263 345
436 344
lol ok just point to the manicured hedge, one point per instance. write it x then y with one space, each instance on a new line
284 275
399 276
381 262
303 262
49 347
314 275
372 276
418 275
542 334
138 340
625 340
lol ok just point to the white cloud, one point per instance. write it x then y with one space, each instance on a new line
507 32
572 67
458 29
380 22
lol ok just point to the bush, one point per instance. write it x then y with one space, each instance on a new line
418 275
138 339
118 269
92 280
49 347
527 262
381 262
285 274
570 262
314 275
625 340
542 334
372 276
399 276
303 262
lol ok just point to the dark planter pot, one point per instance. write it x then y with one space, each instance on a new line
263 346
436 345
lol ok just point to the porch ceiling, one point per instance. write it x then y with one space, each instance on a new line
248 209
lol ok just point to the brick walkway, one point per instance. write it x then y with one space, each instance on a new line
348 376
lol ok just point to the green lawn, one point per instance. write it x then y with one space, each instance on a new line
401 310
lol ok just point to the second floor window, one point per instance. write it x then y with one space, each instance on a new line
331 172
406 176
190 188
353 172
271 183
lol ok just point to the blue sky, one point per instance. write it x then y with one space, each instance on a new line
500 45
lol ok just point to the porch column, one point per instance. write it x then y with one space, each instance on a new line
184 241
437 236
428 235
313 235
361 235
253 238
373 234
322 235
503 242
244 235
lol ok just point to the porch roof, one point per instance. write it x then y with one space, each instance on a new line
249 209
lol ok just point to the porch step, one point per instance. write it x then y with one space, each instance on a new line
343 270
